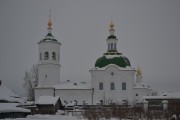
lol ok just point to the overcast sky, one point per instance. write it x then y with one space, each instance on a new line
148 33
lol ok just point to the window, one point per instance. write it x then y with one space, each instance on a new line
100 86
46 56
54 55
111 46
40 56
112 73
112 86
123 86
136 94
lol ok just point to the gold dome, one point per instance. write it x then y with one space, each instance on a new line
111 24
49 23
138 72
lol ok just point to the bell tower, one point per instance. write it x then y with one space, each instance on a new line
49 59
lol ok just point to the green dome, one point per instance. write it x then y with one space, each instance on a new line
120 61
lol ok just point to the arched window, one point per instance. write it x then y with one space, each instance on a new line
112 86
40 56
111 46
101 86
46 56
54 55
123 86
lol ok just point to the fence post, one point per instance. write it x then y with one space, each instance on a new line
145 105
165 104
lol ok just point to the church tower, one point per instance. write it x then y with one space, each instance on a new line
112 76
49 59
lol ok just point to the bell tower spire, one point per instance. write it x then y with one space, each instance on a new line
112 41
49 58
49 22
111 30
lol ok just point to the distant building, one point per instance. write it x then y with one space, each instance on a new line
171 98
113 80
9 103
48 104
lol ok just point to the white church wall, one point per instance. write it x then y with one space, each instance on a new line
43 92
49 68
70 95
49 46
139 93
48 74
119 76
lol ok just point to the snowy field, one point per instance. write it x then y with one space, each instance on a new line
48 117
60 116
52 117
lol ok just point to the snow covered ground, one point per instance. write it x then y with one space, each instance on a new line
47 117
59 116
52 117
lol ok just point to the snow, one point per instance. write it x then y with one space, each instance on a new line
10 101
4 91
11 107
71 104
47 117
7 95
46 100
74 85
120 68
142 86
112 56
171 95
55 117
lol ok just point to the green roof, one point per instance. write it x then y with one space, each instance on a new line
111 37
120 61
50 37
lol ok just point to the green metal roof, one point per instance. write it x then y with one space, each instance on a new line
112 37
120 61
49 37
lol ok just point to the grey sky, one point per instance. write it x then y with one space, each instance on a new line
148 33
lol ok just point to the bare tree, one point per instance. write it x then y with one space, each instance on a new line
31 81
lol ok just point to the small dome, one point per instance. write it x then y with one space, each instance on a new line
112 37
120 61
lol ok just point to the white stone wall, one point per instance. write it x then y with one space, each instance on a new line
43 92
49 74
117 95
49 46
49 70
141 92
75 94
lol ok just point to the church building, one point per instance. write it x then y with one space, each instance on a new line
113 80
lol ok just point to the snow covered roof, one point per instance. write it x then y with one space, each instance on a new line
7 95
4 91
120 68
74 85
141 85
47 100
172 95
11 107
